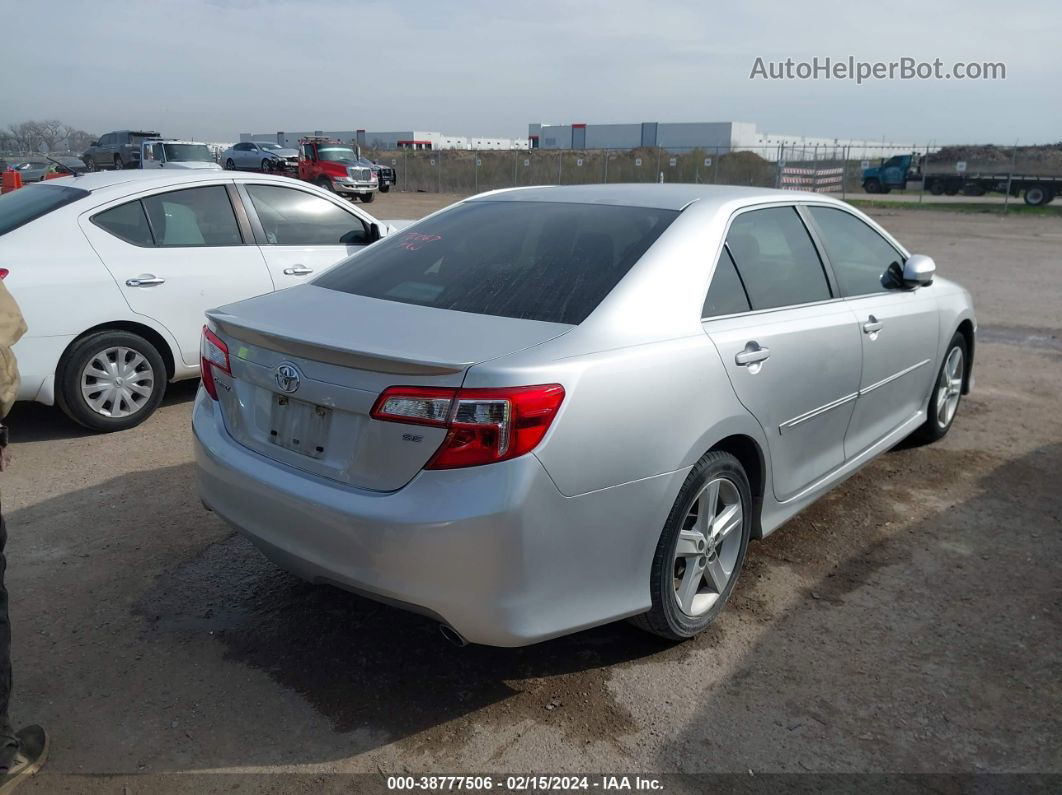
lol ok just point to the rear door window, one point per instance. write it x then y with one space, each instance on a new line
535 260
127 222
727 295
776 259
193 217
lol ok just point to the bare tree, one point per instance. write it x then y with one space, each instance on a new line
25 136
77 140
50 132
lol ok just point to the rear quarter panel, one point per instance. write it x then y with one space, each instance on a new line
628 414
62 288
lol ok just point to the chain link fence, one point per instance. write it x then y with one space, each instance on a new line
925 171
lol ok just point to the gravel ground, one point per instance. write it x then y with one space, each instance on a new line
907 622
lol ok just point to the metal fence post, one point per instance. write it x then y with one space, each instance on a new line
1010 178
560 165
605 153
475 167
925 175
844 173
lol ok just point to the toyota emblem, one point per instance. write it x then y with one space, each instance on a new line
288 378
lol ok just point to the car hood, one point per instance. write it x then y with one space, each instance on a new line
285 152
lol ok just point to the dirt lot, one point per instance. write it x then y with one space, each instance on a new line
908 622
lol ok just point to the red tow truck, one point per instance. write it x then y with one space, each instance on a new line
335 166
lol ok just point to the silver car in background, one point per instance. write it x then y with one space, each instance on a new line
543 409
259 156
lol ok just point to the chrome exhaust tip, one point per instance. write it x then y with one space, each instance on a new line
452 635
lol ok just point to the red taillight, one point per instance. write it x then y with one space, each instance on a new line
214 354
484 425
3 273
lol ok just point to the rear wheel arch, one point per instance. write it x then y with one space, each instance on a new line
748 451
966 328
148 333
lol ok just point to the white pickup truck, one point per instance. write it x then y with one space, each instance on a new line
168 153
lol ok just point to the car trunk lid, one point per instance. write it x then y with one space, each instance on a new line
308 363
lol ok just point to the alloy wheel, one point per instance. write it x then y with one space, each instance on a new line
949 387
708 547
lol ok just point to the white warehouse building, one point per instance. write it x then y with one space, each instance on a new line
720 136
390 141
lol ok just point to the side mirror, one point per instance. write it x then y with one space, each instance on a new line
918 270
374 233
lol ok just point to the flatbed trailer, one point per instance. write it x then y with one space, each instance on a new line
1035 189
899 171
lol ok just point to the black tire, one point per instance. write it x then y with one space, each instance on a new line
118 164
69 395
932 429
385 188
230 165
267 165
368 197
326 183
90 164
666 618
872 186
1037 195
936 187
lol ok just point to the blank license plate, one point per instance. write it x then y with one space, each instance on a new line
299 426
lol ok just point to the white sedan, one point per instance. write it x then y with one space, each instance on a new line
114 270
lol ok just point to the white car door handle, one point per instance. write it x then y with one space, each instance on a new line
872 325
752 355
298 270
145 280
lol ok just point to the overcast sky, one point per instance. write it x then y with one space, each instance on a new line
211 69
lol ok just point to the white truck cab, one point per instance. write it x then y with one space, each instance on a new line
169 153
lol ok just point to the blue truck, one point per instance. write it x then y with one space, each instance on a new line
899 170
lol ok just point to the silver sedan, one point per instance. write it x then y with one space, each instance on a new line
548 408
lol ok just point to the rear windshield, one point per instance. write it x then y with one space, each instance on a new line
31 202
533 260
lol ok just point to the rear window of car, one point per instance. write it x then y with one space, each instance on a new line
532 260
32 202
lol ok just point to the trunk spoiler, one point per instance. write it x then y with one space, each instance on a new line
332 351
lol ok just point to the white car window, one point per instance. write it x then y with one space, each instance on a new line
296 218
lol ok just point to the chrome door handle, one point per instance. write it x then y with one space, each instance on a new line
752 355
145 280
298 270
872 325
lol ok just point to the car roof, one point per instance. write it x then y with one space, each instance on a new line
675 196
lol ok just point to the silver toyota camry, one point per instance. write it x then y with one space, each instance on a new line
543 409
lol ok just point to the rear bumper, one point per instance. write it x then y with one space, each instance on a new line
497 552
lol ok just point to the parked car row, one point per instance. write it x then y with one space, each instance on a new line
324 161
533 412
114 270
36 169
